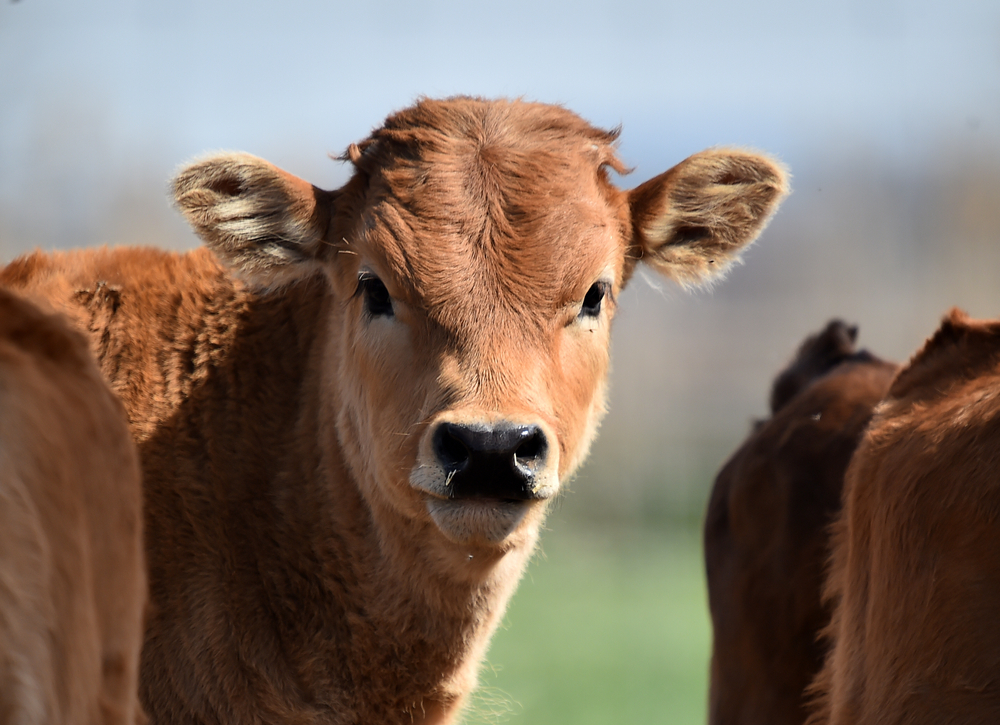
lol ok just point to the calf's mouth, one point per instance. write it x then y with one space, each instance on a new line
477 520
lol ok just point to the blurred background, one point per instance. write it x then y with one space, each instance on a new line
887 113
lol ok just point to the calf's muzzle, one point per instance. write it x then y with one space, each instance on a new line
500 461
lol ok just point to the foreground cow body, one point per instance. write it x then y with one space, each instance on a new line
915 576
351 425
766 531
72 579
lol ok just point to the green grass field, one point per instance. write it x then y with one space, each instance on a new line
608 628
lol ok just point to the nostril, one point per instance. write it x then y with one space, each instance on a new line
490 461
532 447
452 453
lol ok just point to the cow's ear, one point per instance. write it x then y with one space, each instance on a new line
692 222
264 223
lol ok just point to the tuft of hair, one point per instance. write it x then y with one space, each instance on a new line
256 218
817 355
933 367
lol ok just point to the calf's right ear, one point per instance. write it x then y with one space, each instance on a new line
692 222
267 225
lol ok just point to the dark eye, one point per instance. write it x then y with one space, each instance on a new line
377 300
593 299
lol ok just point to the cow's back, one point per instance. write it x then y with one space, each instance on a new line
72 579
143 311
915 575
766 530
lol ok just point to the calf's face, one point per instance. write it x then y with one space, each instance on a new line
475 259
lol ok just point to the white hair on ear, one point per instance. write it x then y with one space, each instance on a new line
253 216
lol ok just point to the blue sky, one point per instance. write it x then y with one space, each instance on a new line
886 111
169 80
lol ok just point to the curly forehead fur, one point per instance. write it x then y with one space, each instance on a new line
441 127
511 193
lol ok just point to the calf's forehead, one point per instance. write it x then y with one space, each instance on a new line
500 206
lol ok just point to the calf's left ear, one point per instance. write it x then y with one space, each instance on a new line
692 222
267 225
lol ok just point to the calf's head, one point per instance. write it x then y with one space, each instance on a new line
474 259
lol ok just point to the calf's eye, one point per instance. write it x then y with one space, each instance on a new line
378 303
592 301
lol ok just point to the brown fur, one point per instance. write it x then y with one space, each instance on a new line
72 579
817 355
915 573
307 562
766 538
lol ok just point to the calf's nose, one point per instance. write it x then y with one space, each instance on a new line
499 461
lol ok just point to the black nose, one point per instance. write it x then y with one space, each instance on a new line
498 461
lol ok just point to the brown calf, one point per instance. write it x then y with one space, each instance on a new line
72 575
766 538
915 576
354 407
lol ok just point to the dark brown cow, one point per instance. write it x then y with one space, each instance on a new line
915 577
766 539
354 407
72 575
